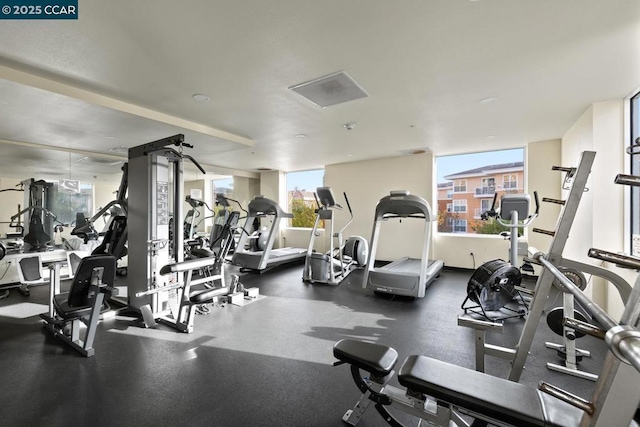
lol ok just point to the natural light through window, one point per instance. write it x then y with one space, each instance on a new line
467 184
300 200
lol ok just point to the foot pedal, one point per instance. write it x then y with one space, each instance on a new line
147 316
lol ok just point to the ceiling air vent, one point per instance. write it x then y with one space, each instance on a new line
98 161
330 90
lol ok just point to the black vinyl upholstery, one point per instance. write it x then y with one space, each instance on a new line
36 237
78 301
497 398
375 358
113 242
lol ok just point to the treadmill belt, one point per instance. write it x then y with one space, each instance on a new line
280 252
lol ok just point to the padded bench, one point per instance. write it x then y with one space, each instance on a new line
497 398
374 358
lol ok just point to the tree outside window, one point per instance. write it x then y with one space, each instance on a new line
301 202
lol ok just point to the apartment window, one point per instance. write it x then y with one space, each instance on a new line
635 170
67 201
459 206
449 207
480 176
459 225
460 186
485 204
449 194
510 182
300 199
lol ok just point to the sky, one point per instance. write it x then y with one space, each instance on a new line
447 165
305 180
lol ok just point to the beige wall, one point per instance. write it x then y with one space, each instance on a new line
600 219
541 157
367 182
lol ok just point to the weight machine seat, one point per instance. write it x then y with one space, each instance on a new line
202 252
494 397
201 297
79 300
374 358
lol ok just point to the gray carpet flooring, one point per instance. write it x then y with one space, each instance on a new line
268 363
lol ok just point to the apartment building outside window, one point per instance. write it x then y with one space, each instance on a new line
300 200
467 184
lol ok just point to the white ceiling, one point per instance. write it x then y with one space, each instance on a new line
129 69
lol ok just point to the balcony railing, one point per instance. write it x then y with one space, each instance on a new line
485 191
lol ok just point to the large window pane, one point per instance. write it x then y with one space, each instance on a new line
222 186
467 184
65 203
300 200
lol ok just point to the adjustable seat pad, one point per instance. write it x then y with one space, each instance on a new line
65 311
494 397
375 358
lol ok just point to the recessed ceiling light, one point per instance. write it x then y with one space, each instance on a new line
488 100
110 137
301 135
490 136
349 126
201 98
349 155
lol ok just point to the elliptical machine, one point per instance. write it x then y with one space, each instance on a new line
332 267
495 283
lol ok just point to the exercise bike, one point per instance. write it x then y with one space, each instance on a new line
496 283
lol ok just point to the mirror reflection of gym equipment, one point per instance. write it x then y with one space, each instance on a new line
255 251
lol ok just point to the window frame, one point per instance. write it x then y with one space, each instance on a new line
465 204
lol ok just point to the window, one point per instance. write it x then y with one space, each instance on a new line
300 199
635 170
460 226
460 186
510 182
449 194
449 207
459 206
479 176
65 203
222 186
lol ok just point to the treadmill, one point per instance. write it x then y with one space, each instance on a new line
262 260
405 276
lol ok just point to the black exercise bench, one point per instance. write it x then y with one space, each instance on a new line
453 388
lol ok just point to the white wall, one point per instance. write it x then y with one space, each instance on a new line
367 182
600 219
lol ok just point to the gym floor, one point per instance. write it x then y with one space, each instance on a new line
267 363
